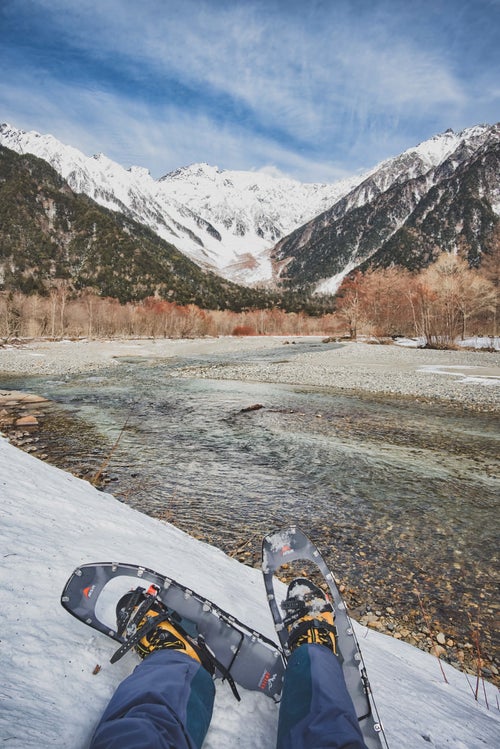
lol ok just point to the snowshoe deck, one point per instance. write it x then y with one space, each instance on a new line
252 660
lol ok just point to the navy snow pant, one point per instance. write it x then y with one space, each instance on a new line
316 710
166 703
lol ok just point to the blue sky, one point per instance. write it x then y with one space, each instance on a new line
315 89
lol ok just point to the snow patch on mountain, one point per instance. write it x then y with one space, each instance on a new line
332 284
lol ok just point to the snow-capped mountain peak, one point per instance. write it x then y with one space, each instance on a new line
192 171
238 223
224 220
140 171
408 210
440 147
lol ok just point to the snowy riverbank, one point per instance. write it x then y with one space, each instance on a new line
52 522
468 378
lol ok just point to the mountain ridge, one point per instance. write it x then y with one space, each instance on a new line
236 244
50 234
361 224
258 229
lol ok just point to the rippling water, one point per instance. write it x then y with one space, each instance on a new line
400 495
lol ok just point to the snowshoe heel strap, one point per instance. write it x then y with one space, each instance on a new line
125 613
206 655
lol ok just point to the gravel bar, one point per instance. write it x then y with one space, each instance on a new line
470 379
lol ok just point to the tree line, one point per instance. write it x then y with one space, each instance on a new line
441 304
89 315
446 302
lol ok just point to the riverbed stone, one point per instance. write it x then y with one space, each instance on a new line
28 420
15 397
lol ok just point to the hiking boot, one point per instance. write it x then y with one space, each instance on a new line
309 616
141 612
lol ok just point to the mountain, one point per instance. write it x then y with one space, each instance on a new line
48 232
226 221
255 228
441 195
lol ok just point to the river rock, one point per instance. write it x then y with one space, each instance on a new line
5 417
14 397
31 398
369 619
27 421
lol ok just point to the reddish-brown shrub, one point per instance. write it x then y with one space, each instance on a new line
244 330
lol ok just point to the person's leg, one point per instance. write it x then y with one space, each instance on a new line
316 709
166 702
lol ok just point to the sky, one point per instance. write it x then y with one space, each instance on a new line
313 89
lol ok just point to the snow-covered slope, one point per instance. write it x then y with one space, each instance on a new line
251 210
52 522
438 196
247 226
225 220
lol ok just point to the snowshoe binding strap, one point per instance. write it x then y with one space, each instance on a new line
129 643
207 658
206 655
124 612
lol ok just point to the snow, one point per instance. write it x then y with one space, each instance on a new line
466 374
249 211
437 149
332 284
52 522
477 342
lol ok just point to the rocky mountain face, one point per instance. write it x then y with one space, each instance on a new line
443 195
254 228
226 221
49 234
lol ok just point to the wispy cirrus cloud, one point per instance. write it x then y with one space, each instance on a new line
170 138
311 88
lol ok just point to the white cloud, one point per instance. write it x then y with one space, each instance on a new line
288 76
127 132
316 95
